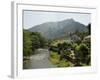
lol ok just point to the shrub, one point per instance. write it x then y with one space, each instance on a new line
54 57
63 63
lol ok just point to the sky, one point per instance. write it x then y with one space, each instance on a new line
32 18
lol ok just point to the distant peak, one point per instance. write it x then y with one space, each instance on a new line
71 19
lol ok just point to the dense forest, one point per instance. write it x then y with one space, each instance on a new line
32 41
73 49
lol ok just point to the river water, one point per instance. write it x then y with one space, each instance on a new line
39 60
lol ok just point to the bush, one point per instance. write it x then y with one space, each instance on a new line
54 57
63 63
82 53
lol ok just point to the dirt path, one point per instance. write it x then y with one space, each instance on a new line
39 60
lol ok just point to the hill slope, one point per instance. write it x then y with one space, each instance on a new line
52 30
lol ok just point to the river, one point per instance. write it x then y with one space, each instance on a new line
39 60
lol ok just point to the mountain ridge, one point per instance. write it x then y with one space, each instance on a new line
52 30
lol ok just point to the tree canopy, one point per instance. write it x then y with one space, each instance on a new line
32 41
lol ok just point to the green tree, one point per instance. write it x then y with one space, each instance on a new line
27 43
35 42
82 54
38 41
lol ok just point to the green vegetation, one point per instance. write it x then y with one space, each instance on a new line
27 43
64 63
66 53
32 41
54 57
82 54
74 50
